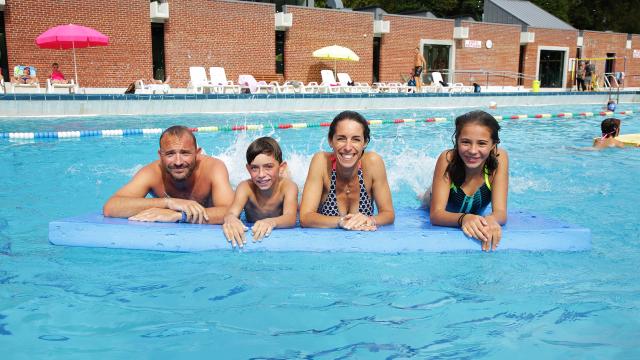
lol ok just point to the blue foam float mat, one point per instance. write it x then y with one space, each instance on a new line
411 232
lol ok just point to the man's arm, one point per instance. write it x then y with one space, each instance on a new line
221 192
130 199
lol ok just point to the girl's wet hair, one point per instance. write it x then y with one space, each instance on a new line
456 168
610 127
350 115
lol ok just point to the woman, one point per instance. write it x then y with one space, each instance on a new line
343 185
474 166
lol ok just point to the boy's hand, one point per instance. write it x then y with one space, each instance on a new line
234 231
262 228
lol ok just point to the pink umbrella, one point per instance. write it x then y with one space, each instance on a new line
71 37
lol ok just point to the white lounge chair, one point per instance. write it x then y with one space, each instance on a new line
2 85
198 82
255 87
329 82
344 79
70 86
218 79
449 87
142 88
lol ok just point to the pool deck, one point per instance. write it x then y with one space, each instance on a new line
51 105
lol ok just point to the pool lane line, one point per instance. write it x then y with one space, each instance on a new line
282 126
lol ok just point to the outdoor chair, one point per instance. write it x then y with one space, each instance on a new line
142 88
198 82
329 82
220 83
443 86
70 86
248 82
344 79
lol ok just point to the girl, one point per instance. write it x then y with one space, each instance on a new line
610 129
469 177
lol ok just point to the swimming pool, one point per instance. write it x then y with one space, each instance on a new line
58 302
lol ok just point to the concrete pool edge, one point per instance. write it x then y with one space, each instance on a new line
37 105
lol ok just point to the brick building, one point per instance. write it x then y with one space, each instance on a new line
245 38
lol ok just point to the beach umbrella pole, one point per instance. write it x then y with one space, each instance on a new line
75 68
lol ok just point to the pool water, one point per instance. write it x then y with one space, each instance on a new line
59 302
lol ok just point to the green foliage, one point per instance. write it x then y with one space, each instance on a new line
618 15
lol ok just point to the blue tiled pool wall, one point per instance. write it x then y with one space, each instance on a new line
85 97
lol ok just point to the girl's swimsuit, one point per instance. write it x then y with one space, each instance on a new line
330 206
459 202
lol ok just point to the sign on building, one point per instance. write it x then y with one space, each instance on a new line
636 54
476 44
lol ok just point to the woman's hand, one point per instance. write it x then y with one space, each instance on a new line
358 222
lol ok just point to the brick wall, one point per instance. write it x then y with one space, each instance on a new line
548 37
502 57
126 22
632 73
316 28
598 44
239 36
397 48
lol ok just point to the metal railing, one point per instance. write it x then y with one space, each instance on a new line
487 77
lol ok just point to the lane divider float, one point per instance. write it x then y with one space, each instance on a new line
282 126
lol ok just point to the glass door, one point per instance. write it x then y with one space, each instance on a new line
551 68
437 57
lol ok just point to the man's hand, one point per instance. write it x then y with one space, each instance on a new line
234 231
157 215
196 213
262 228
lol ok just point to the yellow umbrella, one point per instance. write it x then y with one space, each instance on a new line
335 53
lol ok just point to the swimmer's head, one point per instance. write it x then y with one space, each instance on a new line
493 105
265 145
477 117
611 105
610 127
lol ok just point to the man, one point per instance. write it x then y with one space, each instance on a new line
185 185
419 64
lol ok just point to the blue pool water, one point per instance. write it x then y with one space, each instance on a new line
58 302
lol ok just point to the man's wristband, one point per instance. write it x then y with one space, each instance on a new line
183 219
460 219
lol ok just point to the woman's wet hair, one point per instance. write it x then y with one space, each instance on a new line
350 115
264 145
610 127
456 168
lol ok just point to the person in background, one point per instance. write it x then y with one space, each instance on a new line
184 184
580 77
343 185
610 129
269 199
24 76
469 177
419 64
57 77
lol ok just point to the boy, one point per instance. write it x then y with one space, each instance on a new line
269 200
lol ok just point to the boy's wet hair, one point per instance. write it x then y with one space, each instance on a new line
610 126
264 145
178 131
